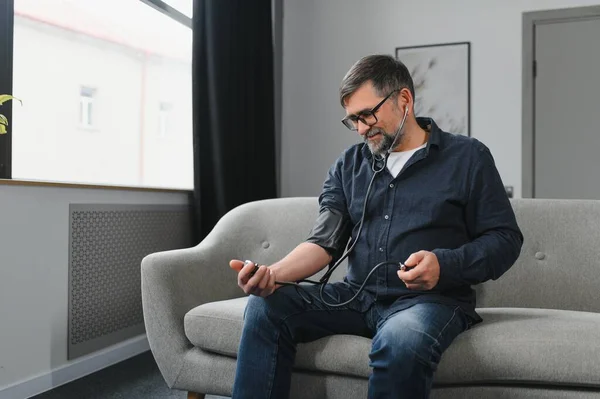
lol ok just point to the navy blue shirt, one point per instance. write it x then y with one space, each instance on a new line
448 199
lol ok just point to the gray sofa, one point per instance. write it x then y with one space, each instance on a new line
540 336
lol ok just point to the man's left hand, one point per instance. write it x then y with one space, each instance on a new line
423 273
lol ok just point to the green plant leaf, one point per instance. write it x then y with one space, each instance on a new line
3 124
5 97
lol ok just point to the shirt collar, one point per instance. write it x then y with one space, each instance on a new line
434 131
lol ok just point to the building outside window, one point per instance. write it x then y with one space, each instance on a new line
121 69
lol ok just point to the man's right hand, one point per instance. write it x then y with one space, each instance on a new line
261 284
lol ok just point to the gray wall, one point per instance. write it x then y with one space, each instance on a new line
321 40
34 260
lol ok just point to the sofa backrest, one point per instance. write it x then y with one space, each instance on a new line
265 231
558 267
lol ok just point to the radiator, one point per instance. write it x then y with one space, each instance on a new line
106 247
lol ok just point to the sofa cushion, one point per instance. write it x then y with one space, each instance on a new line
527 345
511 345
217 327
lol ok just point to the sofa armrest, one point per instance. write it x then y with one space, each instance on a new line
173 282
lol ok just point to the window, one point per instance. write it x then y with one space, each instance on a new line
164 116
86 106
105 66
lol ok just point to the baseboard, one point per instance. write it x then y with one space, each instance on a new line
75 369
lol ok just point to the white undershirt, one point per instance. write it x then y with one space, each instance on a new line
398 159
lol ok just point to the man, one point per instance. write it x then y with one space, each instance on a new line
437 204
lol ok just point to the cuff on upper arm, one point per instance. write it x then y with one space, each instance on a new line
331 231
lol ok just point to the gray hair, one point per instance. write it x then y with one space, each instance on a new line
385 72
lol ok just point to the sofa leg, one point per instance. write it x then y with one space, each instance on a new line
194 395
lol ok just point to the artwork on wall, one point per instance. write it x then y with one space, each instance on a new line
441 75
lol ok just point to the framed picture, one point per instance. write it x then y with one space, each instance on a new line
442 78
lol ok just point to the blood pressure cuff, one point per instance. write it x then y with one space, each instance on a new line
331 231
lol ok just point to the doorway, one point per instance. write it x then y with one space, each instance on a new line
561 104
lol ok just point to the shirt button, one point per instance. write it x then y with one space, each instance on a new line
380 249
391 185
386 217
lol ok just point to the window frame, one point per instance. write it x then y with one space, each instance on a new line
7 21
7 16
169 11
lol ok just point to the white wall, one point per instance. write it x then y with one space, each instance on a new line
34 282
323 38
48 141
168 160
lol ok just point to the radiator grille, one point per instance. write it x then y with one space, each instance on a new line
106 247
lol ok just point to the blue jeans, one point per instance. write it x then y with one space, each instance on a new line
407 343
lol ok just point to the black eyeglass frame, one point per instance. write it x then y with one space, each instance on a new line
351 121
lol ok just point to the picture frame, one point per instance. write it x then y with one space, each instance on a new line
441 75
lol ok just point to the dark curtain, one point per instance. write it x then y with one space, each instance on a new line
233 102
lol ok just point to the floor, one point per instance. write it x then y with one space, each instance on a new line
135 378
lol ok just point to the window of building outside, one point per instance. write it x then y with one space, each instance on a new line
164 119
86 106
93 76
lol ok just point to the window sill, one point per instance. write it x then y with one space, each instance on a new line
39 183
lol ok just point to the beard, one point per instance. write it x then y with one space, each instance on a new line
385 142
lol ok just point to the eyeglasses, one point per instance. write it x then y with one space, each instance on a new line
367 117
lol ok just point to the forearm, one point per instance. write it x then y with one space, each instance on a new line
302 262
485 258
